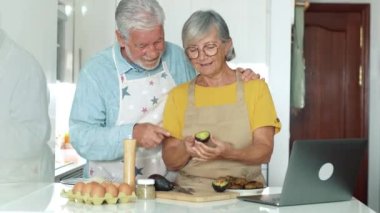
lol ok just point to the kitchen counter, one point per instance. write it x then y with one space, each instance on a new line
46 198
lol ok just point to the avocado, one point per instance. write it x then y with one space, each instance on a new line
202 136
220 184
161 183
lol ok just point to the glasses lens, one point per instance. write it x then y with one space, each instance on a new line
210 49
192 52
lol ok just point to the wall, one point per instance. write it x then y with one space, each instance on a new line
281 18
92 32
374 111
246 19
33 25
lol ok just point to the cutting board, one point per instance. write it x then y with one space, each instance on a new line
197 196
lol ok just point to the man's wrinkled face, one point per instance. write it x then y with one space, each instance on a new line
144 47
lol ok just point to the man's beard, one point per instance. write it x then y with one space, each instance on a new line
140 64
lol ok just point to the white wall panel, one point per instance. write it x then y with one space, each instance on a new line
246 19
94 29
33 25
279 74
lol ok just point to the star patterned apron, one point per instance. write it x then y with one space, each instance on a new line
141 100
229 122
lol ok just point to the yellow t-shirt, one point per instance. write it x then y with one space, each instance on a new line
259 101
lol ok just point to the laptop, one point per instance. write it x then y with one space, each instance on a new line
318 171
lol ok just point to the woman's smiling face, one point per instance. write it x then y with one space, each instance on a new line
208 54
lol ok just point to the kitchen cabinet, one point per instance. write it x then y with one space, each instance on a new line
85 27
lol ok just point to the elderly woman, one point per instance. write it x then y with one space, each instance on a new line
240 116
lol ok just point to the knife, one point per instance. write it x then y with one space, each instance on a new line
178 188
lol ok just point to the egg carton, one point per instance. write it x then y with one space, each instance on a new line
95 200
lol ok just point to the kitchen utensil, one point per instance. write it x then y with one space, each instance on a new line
178 188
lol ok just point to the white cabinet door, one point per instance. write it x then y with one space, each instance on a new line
94 29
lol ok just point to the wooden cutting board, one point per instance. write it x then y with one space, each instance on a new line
197 196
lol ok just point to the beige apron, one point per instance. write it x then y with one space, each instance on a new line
141 100
228 123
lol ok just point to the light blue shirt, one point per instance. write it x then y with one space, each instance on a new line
93 130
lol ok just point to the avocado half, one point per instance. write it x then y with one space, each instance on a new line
220 184
202 136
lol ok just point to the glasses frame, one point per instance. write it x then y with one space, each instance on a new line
204 50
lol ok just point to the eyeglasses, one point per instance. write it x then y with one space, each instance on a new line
209 50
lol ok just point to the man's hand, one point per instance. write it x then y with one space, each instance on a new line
149 135
247 74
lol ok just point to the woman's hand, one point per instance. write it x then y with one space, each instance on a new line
189 142
214 150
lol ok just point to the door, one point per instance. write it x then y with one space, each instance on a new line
336 84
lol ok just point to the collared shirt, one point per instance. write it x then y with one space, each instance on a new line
93 130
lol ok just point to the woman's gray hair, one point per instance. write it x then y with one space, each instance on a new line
199 25
138 14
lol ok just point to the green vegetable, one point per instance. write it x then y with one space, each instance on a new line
202 136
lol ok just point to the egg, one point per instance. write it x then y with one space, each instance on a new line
78 187
112 189
97 190
87 188
105 184
125 188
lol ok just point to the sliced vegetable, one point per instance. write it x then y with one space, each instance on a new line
202 136
220 184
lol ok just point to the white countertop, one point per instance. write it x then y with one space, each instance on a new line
46 198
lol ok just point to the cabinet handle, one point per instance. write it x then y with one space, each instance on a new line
360 82
80 58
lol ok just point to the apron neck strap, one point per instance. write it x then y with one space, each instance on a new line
191 91
239 89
